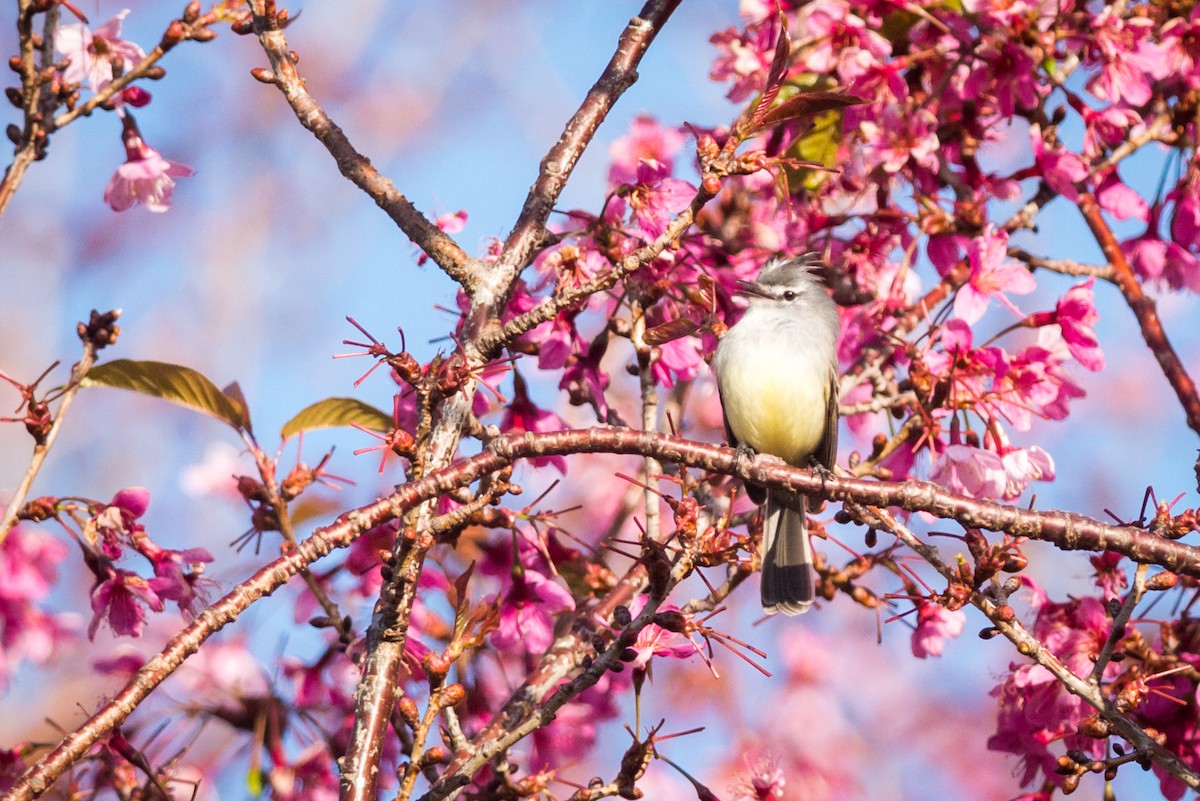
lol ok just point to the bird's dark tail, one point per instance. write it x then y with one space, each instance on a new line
787 574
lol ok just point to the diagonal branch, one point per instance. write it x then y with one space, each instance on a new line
1086 688
528 232
1144 310
440 246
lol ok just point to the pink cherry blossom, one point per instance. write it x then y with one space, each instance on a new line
1120 200
678 360
94 54
1185 222
745 57
844 43
120 599
1022 465
451 224
29 561
992 275
656 197
522 415
1129 59
1060 168
527 610
1076 314
973 472
899 136
145 177
1162 263
935 625
646 141
1010 79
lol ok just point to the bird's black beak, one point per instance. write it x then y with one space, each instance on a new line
752 289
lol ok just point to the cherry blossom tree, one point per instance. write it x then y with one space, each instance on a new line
542 591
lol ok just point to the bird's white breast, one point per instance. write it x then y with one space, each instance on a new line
774 383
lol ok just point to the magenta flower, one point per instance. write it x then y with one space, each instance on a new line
679 359
120 599
522 415
527 612
94 54
451 224
116 524
1129 60
1076 314
992 275
765 782
187 589
844 43
646 141
656 198
1011 78
1185 222
1120 201
935 625
1061 169
28 569
1035 709
898 136
653 640
745 58
145 177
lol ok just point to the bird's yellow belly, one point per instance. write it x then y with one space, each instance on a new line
776 407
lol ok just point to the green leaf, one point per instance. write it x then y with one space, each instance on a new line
820 146
171 382
334 412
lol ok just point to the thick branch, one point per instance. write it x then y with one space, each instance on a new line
1063 529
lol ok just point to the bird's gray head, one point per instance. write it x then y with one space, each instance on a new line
787 282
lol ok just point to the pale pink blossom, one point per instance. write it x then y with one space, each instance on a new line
898 136
973 472
935 625
744 57
94 54
1023 465
145 177
646 141
1130 61
1076 315
992 275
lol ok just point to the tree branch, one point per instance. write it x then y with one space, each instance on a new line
1144 310
1063 529
528 231
440 246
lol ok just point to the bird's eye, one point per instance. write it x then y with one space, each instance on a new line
789 295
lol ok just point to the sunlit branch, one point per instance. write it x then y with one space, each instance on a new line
556 167
1144 310
440 246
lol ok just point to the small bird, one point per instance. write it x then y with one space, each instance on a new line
777 377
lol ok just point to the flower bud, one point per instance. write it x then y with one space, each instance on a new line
452 695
